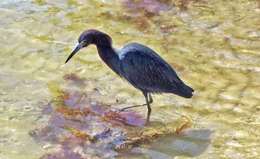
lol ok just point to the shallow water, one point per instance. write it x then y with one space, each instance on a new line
213 45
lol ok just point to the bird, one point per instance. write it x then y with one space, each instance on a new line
138 64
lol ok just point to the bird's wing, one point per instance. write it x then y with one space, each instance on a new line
146 70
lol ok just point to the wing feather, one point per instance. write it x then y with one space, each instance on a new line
146 70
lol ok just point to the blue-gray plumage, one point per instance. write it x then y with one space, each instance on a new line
138 64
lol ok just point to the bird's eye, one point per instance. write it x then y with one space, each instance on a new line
83 41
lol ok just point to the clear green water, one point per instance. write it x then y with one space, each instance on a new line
214 46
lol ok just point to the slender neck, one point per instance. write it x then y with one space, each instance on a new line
110 57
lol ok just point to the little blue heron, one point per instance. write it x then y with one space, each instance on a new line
138 64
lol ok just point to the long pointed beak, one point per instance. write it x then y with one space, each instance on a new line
78 47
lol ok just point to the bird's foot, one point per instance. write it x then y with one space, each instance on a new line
129 107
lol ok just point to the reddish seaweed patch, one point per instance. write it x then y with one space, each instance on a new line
148 6
75 79
183 4
77 126
181 129
126 118
145 14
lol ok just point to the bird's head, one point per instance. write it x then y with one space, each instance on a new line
91 36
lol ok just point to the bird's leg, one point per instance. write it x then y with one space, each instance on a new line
150 98
150 101
123 109
148 106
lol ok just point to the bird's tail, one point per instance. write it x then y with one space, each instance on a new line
185 91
